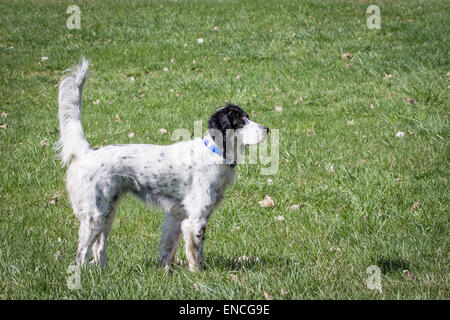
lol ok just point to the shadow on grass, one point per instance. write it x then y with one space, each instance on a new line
389 264
217 262
226 263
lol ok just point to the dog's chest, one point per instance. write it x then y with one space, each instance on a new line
218 182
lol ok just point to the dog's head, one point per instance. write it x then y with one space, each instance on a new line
231 123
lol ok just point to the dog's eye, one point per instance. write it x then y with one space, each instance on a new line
242 122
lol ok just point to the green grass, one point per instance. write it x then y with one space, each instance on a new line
283 51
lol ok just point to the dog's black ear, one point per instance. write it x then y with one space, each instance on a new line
213 122
234 118
228 117
217 127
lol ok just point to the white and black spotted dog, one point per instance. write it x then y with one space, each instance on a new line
186 179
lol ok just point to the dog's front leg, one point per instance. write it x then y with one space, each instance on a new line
194 232
169 239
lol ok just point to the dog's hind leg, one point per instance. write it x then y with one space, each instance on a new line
171 232
90 228
99 246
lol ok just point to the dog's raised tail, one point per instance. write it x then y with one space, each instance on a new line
72 143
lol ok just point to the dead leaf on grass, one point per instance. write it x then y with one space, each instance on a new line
409 275
335 248
415 206
196 287
267 202
410 100
347 55
330 168
54 200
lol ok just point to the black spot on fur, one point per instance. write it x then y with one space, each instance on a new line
174 183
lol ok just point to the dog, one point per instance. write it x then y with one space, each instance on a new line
186 179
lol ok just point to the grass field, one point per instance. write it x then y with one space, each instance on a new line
367 197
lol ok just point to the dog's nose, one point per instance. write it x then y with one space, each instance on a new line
264 128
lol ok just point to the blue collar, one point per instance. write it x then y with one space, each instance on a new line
211 146
215 149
